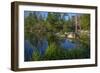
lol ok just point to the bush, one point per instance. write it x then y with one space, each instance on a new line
53 52
36 56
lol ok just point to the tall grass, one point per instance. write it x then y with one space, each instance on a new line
36 55
54 52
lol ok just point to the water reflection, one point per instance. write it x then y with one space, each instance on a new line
43 45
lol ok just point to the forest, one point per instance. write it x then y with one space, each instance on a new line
56 36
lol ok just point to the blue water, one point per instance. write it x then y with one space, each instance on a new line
28 50
67 44
42 45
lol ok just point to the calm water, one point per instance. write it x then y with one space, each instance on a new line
42 45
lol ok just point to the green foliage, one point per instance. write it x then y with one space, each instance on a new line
50 51
55 53
78 53
36 56
85 40
37 27
85 21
